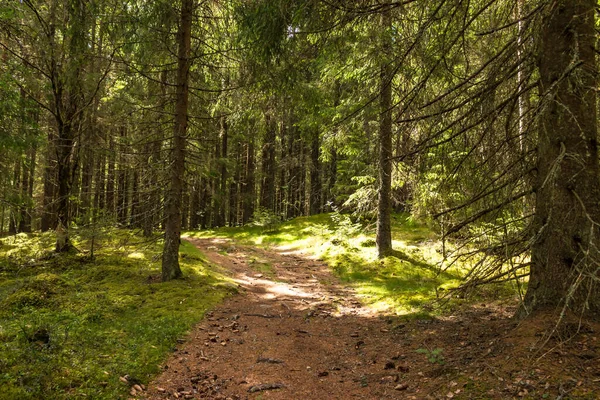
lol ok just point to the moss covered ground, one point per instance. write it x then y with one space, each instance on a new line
71 326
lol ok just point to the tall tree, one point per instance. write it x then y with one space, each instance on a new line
565 254
384 202
170 260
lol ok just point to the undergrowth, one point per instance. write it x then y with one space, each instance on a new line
70 325
410 282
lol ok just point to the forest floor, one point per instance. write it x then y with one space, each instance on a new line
296 331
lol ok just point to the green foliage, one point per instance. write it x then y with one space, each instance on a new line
103 318
263 25
434 356
343 228
266 219
363 202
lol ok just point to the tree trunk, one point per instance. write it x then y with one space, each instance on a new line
332 177
247 186
185 206
15 214
316 186
64 150
223 170
294 158
122 172
136 209
267 184
282 202
384 203
195 203
170 261
27 191
48 221
87 169
214 187
565 253
205 203
110 176
100 180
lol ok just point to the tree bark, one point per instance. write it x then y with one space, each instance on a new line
67 82
27 191
223 170
316 186
247 186
567 211
122 172
110 177
214 186
13 227
135 219
48 221
170 260
195 191
384 203
267 184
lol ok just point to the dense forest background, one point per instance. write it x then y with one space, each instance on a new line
477 116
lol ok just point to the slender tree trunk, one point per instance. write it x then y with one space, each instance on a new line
282 200
296 179
110 176
147 207
333 157
215 186
565 254
205 203
48 221
195 204
24 198
332 175
267 185
185 206
87 168
233 190
15 214
302 174
223 170
170 261
122 171
27 191
248 193
100 181
136 207
316 186
384 204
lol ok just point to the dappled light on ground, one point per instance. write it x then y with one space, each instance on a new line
296 331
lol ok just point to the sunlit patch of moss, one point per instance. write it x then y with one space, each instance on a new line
103 318
137 255
407 282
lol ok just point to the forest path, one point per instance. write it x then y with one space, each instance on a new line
294 332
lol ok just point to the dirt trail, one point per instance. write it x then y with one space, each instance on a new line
294 326
296 332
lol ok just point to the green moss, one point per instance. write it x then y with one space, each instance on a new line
406 282
104 318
